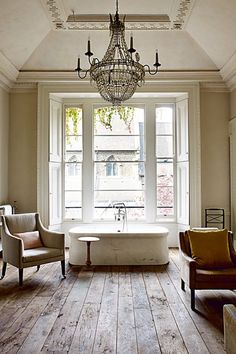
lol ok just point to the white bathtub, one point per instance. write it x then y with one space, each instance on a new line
142 244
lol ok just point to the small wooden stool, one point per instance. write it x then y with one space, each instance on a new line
88 239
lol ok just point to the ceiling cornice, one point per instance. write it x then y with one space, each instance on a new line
168 75
55 12
8 72
228 72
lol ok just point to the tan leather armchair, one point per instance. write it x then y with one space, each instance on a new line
19 230
197 278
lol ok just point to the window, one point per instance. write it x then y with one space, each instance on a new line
165 160
73 159
119 152
112 159
111 166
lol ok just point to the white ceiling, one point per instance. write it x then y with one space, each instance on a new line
35 36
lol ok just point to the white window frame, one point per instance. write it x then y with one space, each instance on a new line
190 89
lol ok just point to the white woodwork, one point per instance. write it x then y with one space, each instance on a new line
55 131
232 132
55 188
182 162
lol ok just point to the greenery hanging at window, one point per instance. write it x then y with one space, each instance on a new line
73 118
105 115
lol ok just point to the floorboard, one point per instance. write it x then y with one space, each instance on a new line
118 309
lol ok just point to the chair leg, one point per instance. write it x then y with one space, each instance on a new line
20 276
182 285
38 266
192 299
63 268
4 268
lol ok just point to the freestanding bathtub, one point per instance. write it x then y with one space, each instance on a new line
142 244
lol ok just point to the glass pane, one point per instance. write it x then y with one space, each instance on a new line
134 118
164 146
119 176
165 174
165 197
73 121
73 143
164 128
105 202
73 213
165 211
73 199
73 176
130 145
118 155
73 156
108 198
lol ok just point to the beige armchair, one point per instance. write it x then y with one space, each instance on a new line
216 271
27 243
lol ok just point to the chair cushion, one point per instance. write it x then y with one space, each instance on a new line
41 253
210 249
220 276
30 239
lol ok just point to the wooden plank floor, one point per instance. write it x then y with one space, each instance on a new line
111 309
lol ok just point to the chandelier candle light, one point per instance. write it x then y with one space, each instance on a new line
118 74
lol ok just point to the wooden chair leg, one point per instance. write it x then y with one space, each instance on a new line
63 268
20 276
192 299
182 285
38 267
4 268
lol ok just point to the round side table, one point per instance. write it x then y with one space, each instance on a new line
88 239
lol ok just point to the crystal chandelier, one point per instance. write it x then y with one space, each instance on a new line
118 74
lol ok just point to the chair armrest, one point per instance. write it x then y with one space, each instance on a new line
50 238
231 248
229 314
188 268
13 249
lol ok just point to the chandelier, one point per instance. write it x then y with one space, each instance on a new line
119 73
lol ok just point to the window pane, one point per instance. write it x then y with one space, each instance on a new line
165 174
73 121
131 145
73 204
73 156
106 200
165 161
119 167
73 143
164 146
133 123
165 199
73 213
73 176
119 176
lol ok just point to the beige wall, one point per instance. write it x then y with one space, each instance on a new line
23 151
4 129
215 111
233 104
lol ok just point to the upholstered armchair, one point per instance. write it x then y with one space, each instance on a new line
207 261
27 243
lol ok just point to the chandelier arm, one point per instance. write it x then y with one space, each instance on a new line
149 69
85 73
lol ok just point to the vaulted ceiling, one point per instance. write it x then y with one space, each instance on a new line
47 35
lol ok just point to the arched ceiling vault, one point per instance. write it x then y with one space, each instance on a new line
47 35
